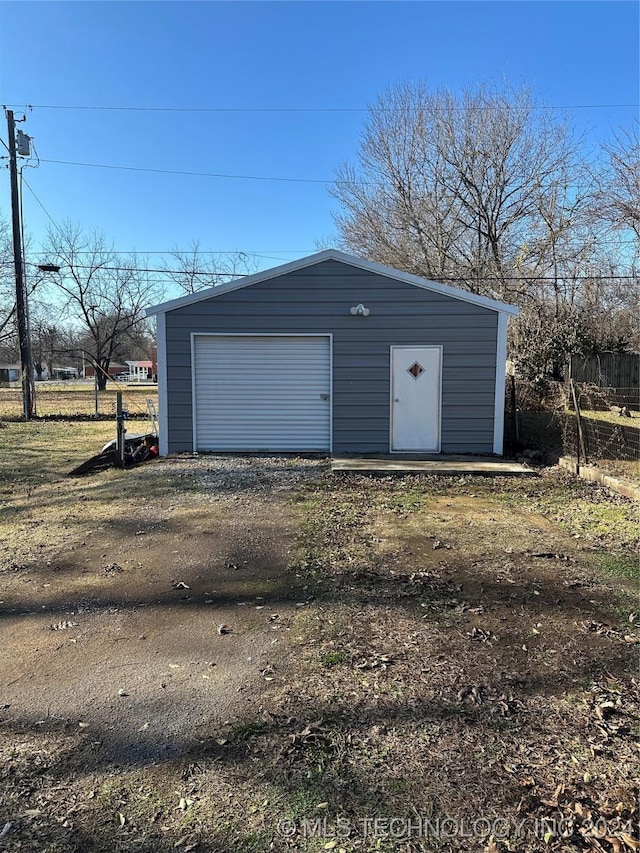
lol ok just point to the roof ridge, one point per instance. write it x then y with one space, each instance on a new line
342 257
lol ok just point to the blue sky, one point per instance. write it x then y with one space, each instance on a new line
250 59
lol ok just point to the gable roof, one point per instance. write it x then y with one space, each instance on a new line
333 255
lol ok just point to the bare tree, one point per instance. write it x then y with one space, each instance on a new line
493 192
196 269
451 186
7 281
398 207
102 295
49 340
619 195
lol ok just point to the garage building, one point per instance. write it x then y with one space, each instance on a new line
332 354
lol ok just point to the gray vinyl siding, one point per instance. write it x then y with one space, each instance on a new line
317 299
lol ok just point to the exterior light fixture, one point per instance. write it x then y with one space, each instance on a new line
360 311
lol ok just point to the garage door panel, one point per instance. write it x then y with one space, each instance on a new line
258 393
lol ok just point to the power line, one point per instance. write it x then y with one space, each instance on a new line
196 174
150 269
227 274
266 253
31 190
114 108
523 278
171 251
325 181
251 253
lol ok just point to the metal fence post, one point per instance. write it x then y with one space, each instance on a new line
514 410
580 445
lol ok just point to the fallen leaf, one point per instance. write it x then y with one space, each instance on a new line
122 819
603 708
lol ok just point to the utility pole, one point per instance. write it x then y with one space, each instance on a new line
21 294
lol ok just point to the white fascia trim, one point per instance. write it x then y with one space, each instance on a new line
335 255
163 414
330 336
194 437
501 365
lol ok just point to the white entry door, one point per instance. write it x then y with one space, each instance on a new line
415 398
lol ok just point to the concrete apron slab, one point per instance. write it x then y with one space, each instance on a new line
436 464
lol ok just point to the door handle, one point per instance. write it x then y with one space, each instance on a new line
324 396
397 400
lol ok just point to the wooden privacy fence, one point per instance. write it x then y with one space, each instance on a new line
615 370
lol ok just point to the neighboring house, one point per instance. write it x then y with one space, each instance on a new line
10 373
114 370
140 371
331 353
59 373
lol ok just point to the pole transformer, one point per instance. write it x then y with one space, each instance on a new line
21 293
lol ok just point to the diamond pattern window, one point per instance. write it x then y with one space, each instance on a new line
416 370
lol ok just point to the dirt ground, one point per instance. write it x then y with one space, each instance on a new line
208 653
165 616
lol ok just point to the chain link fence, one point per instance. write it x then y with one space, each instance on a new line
594 424
602 425
75 400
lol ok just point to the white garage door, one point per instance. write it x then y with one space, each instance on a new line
262 392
